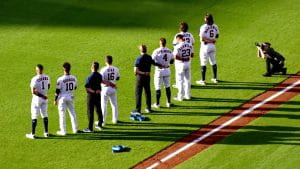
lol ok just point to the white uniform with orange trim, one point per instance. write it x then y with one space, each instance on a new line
67 85
38 104
111 74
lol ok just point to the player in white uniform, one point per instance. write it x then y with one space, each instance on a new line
110 74
187 37
162 56
64 97
39 85
183 52
209 32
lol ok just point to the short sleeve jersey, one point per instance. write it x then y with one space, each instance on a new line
67 84
209 31
40 83
110 73
187 36
183 50
162 56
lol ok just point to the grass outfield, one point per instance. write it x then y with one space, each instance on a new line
53 31
271 141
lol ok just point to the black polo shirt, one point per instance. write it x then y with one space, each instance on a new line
93 81
144 62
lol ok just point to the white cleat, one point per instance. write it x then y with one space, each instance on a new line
157 106
168 105
187 97
177 99
61 133
46 135
147 111
200 82
214 80
30 136
98 128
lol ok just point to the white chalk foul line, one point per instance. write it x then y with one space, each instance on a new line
224 125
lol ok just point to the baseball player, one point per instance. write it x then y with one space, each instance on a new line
110 75
65 87
162 56
183 52
209 32
39 85
187 37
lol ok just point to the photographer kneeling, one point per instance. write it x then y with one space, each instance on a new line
274 60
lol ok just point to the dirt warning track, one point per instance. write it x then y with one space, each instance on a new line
223 126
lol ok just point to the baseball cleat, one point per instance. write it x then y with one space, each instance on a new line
147 110
168 104
98 128
46 135
214 80
87 130
177 99
30 136
200 82
157 106
267 75
61 133
187 97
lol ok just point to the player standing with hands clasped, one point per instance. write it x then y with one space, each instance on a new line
187 37
183 52
209 32
65 87
163 56
110 75
39 85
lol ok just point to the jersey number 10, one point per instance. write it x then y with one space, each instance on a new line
69 86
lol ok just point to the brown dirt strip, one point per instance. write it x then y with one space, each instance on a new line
224 132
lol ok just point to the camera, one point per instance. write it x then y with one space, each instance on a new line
257 44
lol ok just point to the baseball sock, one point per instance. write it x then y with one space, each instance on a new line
168 92
203 71
46 124
158 93
34 123
214 67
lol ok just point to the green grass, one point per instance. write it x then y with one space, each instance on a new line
80 31
271 141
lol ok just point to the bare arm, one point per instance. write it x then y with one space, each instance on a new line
138 72
208 40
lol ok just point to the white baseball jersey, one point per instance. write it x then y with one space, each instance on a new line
163 57
40 83
208 31
187 36
110 73
184 50
67 84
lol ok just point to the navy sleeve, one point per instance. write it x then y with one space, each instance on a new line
137 62
88 82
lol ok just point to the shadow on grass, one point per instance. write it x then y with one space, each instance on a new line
90 13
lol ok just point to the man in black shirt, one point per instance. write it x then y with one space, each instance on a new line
142 68
274 60
93 89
